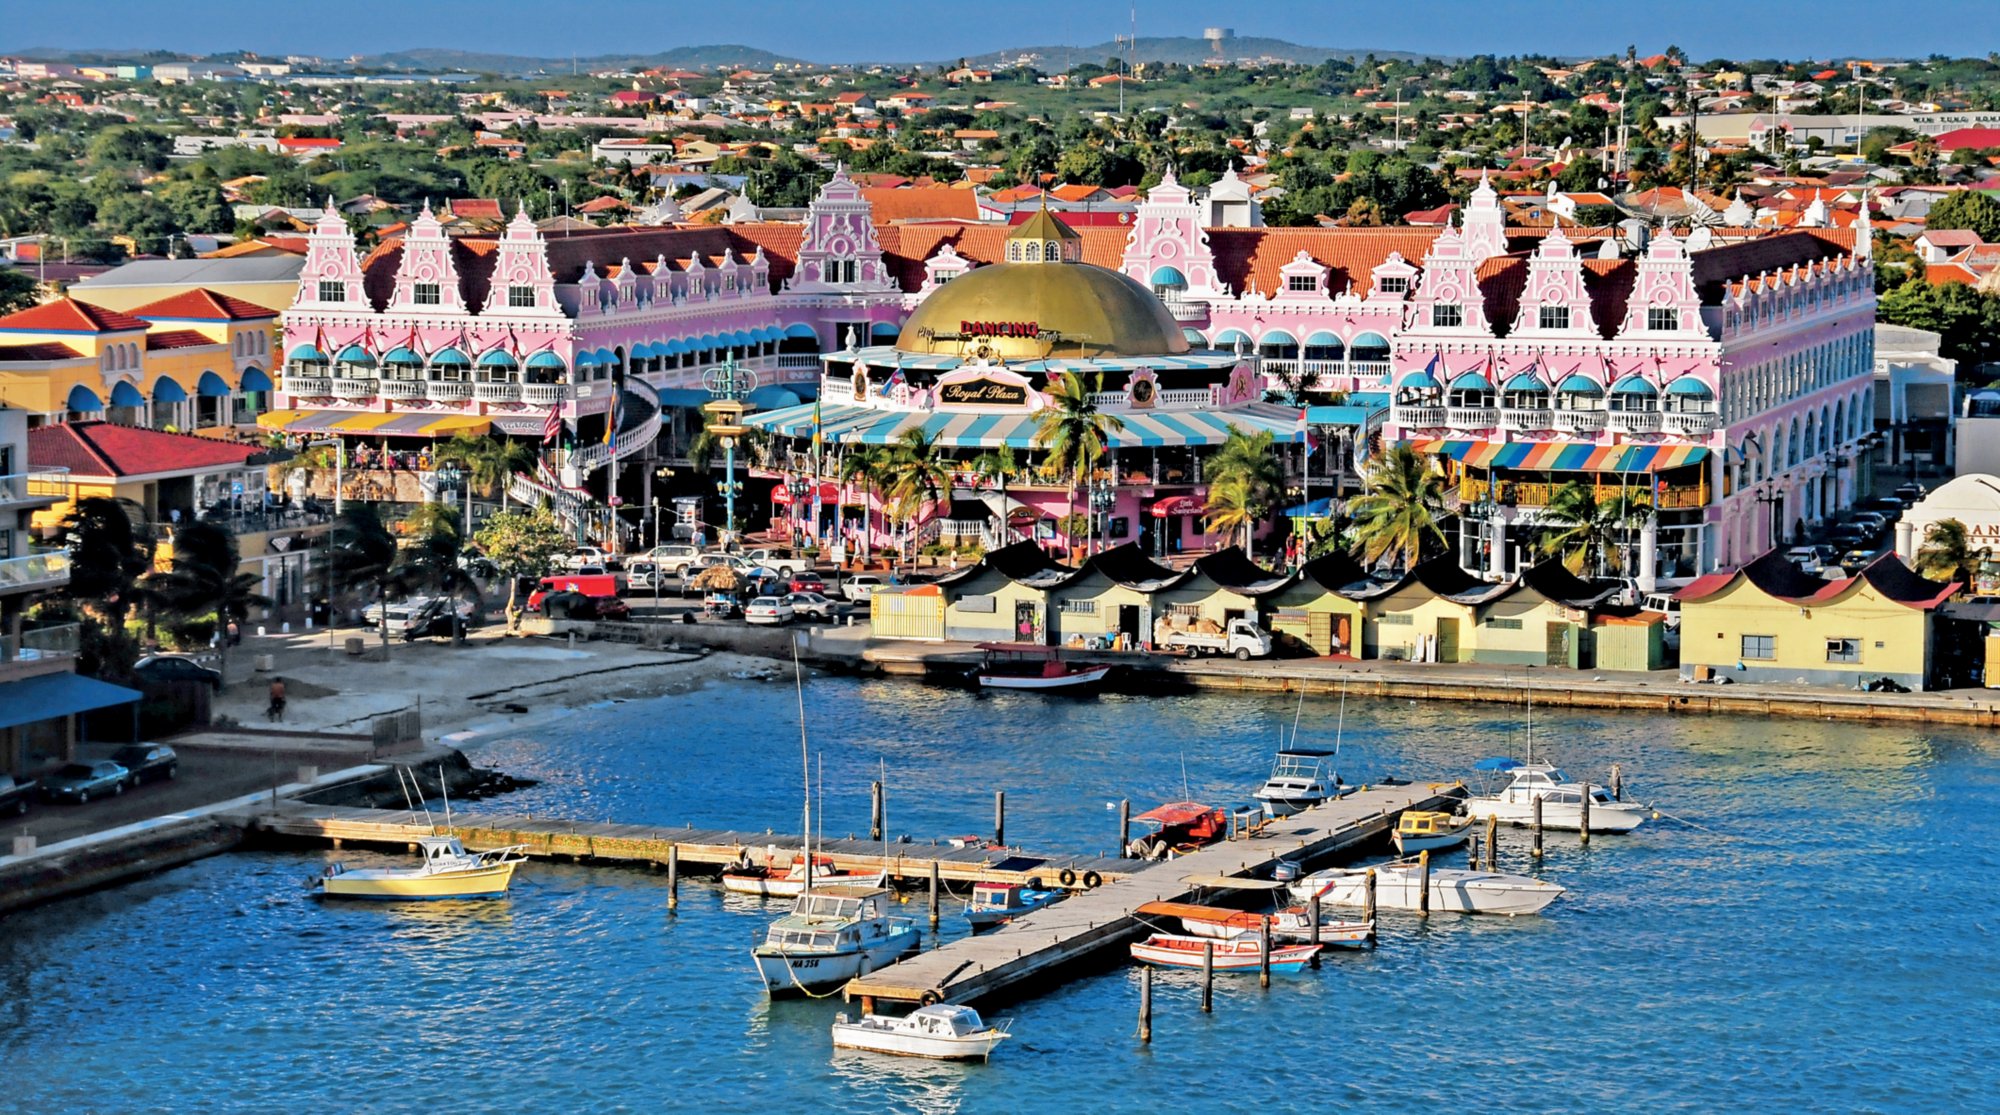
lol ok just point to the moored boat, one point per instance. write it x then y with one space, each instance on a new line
940 1031
1561 798
1300 779
999 903
1291 924
1234 954
1423 830
832 935
1397 886
1032 666
1178 827
448 871
768 882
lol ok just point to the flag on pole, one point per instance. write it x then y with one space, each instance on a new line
611 426
553 428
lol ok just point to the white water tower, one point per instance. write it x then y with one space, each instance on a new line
1216 36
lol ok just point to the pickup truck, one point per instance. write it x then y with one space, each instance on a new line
784 563
1243 639
15 794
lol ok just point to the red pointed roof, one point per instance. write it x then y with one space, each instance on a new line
67 315
202 304
179 338
89 449
1777 576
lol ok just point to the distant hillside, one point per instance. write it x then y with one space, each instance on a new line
1186 51
687 57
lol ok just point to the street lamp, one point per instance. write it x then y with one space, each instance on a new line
799 487
728 384
451 476
1103 497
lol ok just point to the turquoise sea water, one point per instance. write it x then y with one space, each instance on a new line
1825 940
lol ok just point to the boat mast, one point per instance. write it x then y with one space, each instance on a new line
805 764
1528 687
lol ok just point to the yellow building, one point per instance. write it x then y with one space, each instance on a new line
1771 621
1114 593
1441 613
1324 607
1220 587
193 361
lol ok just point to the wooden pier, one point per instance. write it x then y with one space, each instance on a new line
1033 946
552 838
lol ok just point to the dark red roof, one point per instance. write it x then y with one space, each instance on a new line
67 315
46 350
105 449
203 305
1775 575
178 338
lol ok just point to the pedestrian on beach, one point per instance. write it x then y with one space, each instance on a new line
276 712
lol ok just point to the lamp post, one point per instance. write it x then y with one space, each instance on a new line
1768 495
799 487
1103 497
450 477
728 384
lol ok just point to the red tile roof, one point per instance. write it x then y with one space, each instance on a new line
91 449
1246 255
915 204
47 350
178 338
202 304
67 315
1959 139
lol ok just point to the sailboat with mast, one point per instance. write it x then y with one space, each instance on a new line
448 870
1302 777
833 932
1561 797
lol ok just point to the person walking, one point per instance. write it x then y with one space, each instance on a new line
276 712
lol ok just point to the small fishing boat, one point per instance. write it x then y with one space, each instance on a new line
1561 798
999 903
1234 954
832 935
448 871
1032 666
1423 830
941 1032
767 881
1291 924
1178 828
1300 779
1397 886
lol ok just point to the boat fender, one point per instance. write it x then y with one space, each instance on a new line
929 999
1092 880
1068 877
1035 883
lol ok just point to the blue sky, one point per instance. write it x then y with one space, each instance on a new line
842 30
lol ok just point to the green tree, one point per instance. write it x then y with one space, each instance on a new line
489 462
521 544
196 205
206 577
1245 484
18 290
1587 532
1401 509
869 465
999 465
1074 432
1973 209
918 479
1949 555
110 550
130 147
364 559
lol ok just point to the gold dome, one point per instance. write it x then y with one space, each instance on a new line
1028 311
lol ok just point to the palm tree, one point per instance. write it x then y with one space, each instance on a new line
489 462
1948 554
868 464
1245 483
1072 429
999 464
919 478
110 549
1400 509
1586 531
432 560
364 559
205 577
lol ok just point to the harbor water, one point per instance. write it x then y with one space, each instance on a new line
1821 934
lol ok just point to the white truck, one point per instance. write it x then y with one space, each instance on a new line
1242 639
784 563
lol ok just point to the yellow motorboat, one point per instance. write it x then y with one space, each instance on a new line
1421 830
448 871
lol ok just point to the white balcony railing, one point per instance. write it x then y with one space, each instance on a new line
308 385
1580 421
1185 309
402 389
1689 425
497 392
34 571
447 391
1419 418
1527 418
1472 418
789 360
1195 397
836 389
1635 421
353 388
1368 369
1108 400
543 394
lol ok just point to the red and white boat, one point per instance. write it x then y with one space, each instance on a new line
1236 954
768 881
1294 924
1033 666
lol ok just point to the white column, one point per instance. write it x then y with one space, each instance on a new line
1906 540
1497 560
1649 557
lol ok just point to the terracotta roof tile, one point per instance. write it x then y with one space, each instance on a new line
202 304
178 338
937 203
105 449
67 315
1246 255
47 350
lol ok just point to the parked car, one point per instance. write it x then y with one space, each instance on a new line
673 554
1874 522
147 761
812 604
79 782
1890 506
860 586
577 605
1663 603
1853 560
15 793
807 582
404 618
175 667
769 609
787 563
1806 558
643 576
1910 493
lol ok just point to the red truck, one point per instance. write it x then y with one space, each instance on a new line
598 586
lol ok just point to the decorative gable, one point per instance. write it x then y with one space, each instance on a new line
1554 302
839 251
521 272
1448 300
1168 249
1664 282
331 266
1393 279
427 278
944 265
1302 279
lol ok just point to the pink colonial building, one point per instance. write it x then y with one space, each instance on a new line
1726 372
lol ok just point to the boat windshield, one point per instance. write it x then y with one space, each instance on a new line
794 939
821 905
1298 764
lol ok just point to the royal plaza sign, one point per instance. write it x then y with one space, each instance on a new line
986 388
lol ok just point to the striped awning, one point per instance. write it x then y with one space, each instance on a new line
797 421
1563 456
388 425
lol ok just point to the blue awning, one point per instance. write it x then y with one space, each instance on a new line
402 355
53 695
586 359
355 354
167 391
307 352
449 358
1633 385
1580 385
1688 385
83 398
1350 415
708 343
496 359
1471 381
1526 381
801 330
739 338
683 396
771 398
1229 337
212 386
1322 340
884 329
1418 379
123 394
1317 509
770 333
254 380
545 360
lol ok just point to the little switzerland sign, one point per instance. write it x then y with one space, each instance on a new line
982 392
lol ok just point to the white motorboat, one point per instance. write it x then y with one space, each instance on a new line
1243 953
1300 779
1561 798
448 871
1423 830
767 882
941 1032
832 935
1397 886
1222 923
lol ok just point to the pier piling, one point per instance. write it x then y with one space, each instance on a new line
1368 903
1124 827
935 886
1492 841
1424 883
1146 1005
1312 910
1583 818
1000 818
1208 977
673 877
1536 852
1617 782
875 811
1264 953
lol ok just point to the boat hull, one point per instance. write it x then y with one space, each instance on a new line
1432 842
1169 951
1276 807
779 886
791 974
1087 676
1465 892
387 886
871 1039
1613 818
989 919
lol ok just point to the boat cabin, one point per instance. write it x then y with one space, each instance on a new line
1299 772
1181 826
1419 822
997 896
438 848
946 1020
839 904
